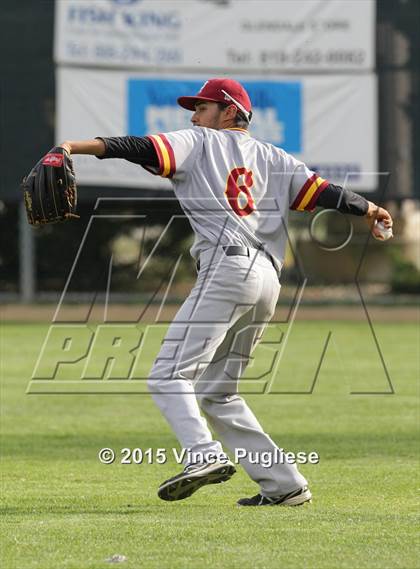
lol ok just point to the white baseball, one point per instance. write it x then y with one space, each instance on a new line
385 232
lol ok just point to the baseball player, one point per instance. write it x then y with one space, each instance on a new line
236 192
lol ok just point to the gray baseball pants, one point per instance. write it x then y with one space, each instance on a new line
203 356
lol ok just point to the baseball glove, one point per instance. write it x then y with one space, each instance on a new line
49 190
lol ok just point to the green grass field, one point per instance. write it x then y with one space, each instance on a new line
63 509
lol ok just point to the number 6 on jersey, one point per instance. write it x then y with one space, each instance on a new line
238 194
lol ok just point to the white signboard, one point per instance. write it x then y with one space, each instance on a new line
329 122
248 35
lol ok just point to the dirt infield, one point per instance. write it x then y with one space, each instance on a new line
133 313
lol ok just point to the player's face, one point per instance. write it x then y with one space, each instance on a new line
209 115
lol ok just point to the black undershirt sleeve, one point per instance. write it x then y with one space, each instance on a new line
136 149
346 201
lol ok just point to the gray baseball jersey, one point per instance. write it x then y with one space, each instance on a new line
234 188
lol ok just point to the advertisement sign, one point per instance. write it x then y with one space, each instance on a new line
232 35
329 122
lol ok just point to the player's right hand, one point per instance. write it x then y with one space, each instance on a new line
374 214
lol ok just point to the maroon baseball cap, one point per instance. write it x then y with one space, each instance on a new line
220 90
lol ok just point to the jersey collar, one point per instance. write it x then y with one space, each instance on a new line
239 129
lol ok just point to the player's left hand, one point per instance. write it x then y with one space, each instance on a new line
376 214
49 190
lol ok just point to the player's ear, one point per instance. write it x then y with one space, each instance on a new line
231 111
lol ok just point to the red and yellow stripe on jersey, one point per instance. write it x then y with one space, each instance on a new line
306 198
167 166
